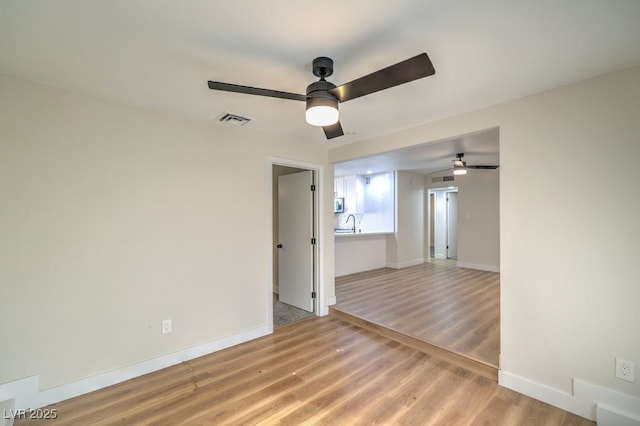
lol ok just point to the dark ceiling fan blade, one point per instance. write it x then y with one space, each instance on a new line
403 72
333 131
228 87
440 171
482 167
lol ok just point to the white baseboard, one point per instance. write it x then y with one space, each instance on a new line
331 300
546 394
405 264
27 394
488 268
612 407
593 402
7 408
608 416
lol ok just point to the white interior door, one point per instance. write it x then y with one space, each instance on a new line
452 225
440 225
444 223
295 231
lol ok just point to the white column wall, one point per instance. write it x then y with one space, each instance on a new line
569 232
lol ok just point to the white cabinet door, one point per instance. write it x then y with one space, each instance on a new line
338 189
350 196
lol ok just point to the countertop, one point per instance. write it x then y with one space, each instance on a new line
359 234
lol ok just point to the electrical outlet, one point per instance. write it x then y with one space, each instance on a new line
166 326
625 370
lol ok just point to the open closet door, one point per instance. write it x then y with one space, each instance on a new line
295 234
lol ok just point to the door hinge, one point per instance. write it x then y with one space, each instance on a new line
313 241
313 294
313 187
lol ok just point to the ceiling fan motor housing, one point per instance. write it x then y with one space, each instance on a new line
318 93
321 89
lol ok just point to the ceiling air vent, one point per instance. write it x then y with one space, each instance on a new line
442 179
235 119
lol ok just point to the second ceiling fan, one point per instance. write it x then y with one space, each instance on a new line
460 167
322 97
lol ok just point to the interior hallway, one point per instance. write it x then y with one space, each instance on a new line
454 308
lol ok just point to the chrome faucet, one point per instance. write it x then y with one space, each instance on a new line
354 222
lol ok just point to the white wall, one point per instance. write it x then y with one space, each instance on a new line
479 220
569 232
406 246
113 218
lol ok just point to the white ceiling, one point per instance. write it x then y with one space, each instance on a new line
159 54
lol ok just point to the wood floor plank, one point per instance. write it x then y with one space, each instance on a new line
320 371
438 302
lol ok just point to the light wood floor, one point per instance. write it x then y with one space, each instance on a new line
438 302
319 371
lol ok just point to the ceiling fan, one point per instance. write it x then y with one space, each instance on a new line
460 167
322 96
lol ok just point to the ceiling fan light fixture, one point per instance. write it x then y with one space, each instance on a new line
459 167
322 111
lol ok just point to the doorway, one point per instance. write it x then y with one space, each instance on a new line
443 223
295 243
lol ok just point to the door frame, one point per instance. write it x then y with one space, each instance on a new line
452 224
320 307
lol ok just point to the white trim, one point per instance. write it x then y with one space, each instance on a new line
406 264
270 164
612 407
587 399
489 268
544 393
8 412
27 393
610 416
